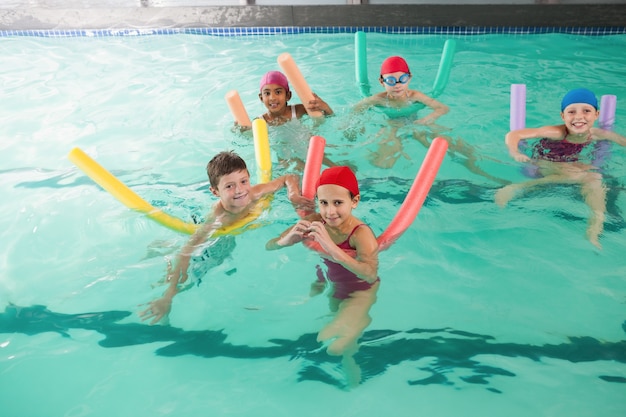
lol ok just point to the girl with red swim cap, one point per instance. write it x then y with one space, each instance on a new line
395 77
351 258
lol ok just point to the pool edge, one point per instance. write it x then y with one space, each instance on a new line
379 16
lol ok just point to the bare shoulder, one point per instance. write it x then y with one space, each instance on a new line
300 110
364 234
418 95
557 132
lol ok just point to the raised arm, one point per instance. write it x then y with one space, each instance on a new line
317 104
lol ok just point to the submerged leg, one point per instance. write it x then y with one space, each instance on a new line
344 330
389 150
506 193
594 193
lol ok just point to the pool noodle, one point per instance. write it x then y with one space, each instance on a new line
130 199
124 194
441 80
412 202
417 194
445 66
518 107
313 166
608 104
237 108
360 58
262 150
298 82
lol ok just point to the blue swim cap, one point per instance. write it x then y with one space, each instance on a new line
579 95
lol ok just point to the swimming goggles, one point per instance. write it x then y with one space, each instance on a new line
391 81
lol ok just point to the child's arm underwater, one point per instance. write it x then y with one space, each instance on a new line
439 109
178 274
601 134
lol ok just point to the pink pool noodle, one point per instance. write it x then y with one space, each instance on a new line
313 167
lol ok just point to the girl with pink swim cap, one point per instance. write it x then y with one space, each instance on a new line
351 258
275 95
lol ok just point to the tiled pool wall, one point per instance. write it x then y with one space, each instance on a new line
463 19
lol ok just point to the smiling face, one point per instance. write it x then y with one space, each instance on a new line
275 98
233 190
335 204
579 117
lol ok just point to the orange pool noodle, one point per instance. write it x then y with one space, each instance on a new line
297 81
237 109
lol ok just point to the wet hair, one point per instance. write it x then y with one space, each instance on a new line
224 163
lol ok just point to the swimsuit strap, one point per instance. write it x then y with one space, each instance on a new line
347 240
294 115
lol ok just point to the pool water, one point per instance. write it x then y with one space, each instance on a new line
482 310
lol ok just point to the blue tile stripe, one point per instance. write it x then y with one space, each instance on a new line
292 30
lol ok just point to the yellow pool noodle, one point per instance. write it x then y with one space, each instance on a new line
130 199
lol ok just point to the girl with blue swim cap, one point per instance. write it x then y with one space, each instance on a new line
559 155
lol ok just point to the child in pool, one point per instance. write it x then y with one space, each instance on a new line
351 257
230 182
395 78
557 156
292 141
275 95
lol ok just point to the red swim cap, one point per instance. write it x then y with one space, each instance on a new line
341 176
275 77
394 64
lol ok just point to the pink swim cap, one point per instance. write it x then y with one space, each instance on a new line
394 64
275 77
341 176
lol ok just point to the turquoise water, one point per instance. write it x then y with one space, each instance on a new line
482 311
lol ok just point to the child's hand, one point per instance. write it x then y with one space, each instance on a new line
317 104
296 234
520 157
317 287
317 231
304 206
157 309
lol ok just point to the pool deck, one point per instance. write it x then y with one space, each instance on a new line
457 15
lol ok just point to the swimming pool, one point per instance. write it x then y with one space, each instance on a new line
481 311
